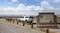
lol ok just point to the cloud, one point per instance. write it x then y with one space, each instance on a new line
21 9
14 0
56 1
53 1
46 6
28 10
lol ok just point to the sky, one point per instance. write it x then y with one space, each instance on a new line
28 7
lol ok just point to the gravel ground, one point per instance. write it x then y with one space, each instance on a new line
6 27
55 30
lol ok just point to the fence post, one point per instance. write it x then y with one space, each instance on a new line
47 30
23 23
32 25
17 22
10 21
13 21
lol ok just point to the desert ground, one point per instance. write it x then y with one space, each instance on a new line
7 27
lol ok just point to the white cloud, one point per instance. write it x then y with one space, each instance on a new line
46 6
28 10
21 9
56 1
32 8
14 0
53 1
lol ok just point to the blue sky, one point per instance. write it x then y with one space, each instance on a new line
28 7
54 3
25 2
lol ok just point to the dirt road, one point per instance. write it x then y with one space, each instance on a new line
6 27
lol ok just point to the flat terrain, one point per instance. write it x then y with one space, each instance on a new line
7 27
55 30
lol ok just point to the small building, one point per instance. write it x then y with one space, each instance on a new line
46 19
58 19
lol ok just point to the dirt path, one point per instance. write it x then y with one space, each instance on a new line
6 27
